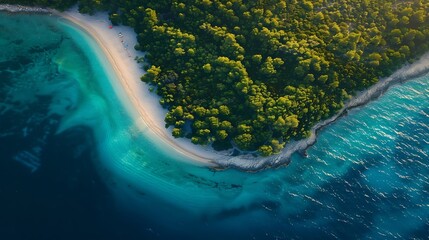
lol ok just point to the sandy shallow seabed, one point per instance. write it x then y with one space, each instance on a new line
118 45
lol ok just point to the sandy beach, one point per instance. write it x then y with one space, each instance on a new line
151 115
117 44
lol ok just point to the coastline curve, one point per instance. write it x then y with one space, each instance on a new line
225 160
404 74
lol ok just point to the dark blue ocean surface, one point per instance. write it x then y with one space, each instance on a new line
74 167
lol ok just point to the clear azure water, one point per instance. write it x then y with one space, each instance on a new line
73 164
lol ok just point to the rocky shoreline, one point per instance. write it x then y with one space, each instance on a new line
19 8
252 164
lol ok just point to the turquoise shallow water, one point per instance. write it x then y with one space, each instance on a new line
366 177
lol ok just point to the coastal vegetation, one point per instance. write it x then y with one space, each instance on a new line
257 74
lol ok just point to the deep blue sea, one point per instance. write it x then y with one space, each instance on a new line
74 165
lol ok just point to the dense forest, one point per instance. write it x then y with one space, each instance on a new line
256 74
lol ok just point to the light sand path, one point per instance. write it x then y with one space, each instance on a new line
118 46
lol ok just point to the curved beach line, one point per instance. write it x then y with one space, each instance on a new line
224 160
127 81
147 112
217 160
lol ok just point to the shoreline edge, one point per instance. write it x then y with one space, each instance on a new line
200 154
